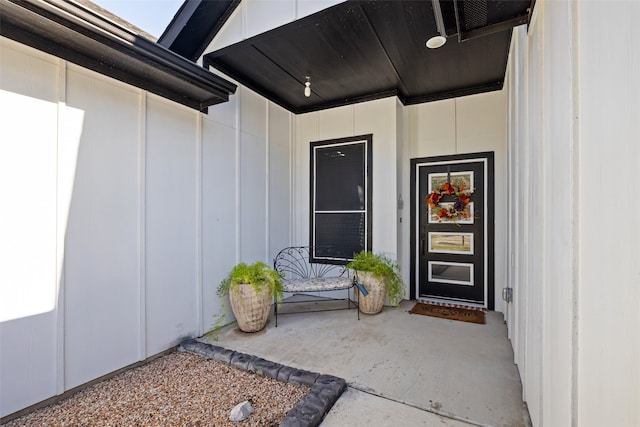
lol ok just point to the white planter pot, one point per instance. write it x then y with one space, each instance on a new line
373 302
250 308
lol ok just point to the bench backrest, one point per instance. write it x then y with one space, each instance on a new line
295 262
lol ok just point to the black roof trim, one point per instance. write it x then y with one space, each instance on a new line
457 93
82 36
194 26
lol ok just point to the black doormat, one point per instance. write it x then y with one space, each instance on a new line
451 313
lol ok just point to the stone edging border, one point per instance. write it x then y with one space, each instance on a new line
310 410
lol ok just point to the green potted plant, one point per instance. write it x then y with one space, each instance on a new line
251 288
381 277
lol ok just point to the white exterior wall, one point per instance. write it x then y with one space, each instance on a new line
378 118
470 124
30 310
253 17
171 224
463 125
574 108
608 359
121 213
375 117
403 161
101 244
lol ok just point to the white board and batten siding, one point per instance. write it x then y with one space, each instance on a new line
574 105
121 213
29 266
608 363
101 279
470 124
377 118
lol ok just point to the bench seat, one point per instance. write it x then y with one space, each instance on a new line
317 284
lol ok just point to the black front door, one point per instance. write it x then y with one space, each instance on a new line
452 217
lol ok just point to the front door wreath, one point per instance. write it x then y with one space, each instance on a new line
450 202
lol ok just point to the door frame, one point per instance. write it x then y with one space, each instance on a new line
488 158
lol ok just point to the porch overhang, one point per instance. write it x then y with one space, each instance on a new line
362 50
79 35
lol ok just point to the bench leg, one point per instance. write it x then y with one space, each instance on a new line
275 312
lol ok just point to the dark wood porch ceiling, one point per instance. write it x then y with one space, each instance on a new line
363 50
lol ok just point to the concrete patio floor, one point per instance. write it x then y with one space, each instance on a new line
400 368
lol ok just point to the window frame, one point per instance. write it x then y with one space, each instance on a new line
367 141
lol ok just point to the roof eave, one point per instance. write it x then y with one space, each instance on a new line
195 25
79 35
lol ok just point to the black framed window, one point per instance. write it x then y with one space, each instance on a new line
340 197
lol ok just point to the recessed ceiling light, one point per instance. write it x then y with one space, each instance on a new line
436 42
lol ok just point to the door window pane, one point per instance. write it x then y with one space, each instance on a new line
451 243
451 272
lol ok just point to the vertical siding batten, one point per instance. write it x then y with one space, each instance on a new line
534 221
511 83
60 231
142 224
199 261
576 172
238 123
291 172
267 181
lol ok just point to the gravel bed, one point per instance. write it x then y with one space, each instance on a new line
179 389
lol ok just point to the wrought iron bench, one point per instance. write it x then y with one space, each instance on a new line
300 276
